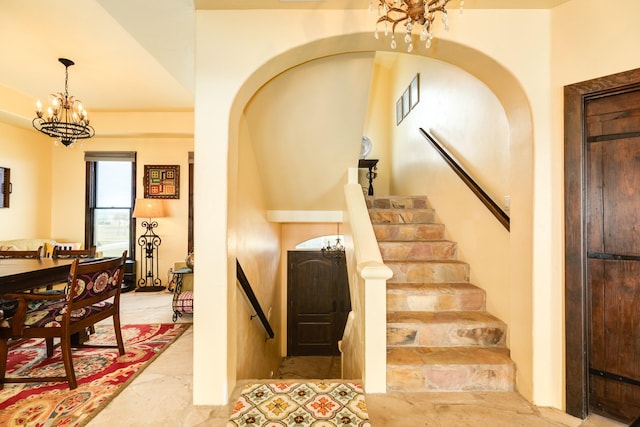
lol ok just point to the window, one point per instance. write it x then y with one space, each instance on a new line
111 189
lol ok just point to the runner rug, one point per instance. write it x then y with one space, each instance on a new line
317 404
101 373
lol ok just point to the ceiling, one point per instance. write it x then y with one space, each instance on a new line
125 59
130 55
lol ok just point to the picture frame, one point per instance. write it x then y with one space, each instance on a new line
399 115
406 103
5 186
162 181
414 94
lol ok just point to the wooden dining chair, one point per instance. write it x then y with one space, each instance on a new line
22 254
93 294
60 252
8 306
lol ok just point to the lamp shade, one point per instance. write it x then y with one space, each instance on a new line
148 208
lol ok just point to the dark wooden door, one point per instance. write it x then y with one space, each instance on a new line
318 303
613 253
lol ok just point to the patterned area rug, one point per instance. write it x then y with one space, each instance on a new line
310 404
101 373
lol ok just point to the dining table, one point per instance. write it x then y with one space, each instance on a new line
18 274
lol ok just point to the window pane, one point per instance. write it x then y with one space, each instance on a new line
111 231
113 184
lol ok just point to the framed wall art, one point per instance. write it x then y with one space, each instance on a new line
5 187
414 89
406 104
399 115
162 181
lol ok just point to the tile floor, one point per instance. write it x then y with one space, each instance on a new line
161 394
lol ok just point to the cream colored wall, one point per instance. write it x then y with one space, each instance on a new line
578 53
68 177
257 245
377 123
302 120
28 155
496 46
462 114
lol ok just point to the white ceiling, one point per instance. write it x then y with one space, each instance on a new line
130 55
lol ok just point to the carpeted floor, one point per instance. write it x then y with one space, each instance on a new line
301 404
101 374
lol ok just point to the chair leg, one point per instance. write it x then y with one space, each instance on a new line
4 351
49 342
118 331
65 344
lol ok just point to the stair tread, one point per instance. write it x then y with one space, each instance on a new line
414 356
426 261
439 335
435 317
406 250
418 287
407 231
417 242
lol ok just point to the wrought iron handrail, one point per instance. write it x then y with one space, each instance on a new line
466 178
248 291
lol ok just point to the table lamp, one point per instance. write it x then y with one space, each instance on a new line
149 242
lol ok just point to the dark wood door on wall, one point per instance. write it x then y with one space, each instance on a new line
318 303
602 246
613 253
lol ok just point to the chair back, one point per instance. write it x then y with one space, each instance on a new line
92 282
61 252
22 254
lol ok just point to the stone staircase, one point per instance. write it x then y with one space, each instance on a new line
439 335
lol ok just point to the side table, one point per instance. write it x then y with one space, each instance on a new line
182 300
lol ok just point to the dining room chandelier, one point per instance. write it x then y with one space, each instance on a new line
65 119
413 14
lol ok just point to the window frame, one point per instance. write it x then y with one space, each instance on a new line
91 160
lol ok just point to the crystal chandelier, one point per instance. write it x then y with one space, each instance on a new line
65 119
336 251
411 13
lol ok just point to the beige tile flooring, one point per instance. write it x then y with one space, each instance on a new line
161 394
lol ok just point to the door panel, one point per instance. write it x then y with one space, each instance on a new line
613 254
316 300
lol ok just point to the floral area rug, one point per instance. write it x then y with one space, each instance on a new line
101 374
317 404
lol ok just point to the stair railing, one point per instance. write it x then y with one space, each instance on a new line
248 291
471 183
364 343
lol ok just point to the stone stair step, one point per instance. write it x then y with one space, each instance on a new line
419 369
409 251
397 202
444 328
408 232
437 271
439 335
435 296
402 216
